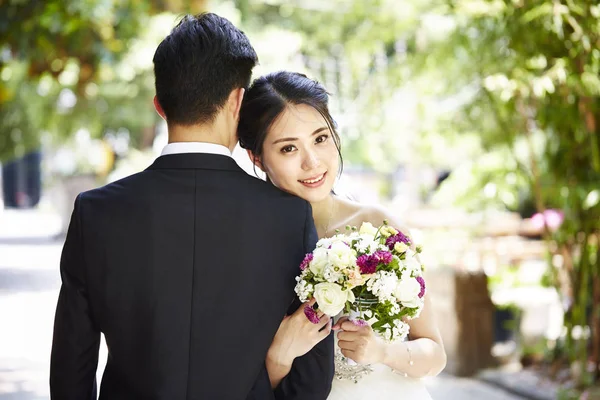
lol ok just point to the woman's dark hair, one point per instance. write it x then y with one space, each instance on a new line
197 66
269 96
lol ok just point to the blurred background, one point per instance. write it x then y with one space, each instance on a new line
476 121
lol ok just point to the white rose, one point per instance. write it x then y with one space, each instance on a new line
341 255
407 292
319 261
368 228
331 298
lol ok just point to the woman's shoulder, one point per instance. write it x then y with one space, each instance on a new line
374 214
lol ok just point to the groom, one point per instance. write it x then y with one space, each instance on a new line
188 267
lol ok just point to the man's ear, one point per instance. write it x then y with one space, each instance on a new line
255 160
235 102
159 108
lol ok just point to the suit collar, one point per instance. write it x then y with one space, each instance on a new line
196 161
195 147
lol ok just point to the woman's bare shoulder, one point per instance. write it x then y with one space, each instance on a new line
376 214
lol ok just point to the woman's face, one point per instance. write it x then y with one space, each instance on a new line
299 153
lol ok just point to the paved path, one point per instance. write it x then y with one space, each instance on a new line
29 283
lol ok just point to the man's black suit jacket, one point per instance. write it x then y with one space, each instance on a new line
187 268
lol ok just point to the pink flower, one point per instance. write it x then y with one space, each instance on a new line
311 314
307 259
552 218
359 322
422 283
355 278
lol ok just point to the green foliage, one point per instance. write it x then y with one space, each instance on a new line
532 68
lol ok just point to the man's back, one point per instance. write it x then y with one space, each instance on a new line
187 268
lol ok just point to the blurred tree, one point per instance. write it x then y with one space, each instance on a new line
531 74
357 49
52 57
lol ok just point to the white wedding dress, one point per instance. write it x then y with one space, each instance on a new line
377 382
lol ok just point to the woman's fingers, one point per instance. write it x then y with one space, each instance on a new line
338 324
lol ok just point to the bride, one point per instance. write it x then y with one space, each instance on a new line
289 134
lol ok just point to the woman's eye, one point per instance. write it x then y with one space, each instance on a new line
288 149
322 138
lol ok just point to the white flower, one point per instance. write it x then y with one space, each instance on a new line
367 244
319 261
400 330
353 235
341 255
333 273
324 243
407 291
303 289
368 228
382 284
373 247
419 307
413 266
331 298
395 309
363 245
387 335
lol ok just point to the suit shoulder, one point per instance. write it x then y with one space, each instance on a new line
112 189
269 190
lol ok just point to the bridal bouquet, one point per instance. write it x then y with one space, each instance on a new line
374 274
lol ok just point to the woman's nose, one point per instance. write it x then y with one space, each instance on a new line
311 161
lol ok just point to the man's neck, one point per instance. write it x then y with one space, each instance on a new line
199 133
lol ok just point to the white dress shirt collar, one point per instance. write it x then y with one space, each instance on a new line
195 147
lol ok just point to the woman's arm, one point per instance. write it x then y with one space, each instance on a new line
423 355
295 337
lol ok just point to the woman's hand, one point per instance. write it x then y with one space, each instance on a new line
360 343
296 336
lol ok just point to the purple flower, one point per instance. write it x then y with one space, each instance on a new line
359 322
311 314
384 257
367 264
307 259
399 237
422 283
